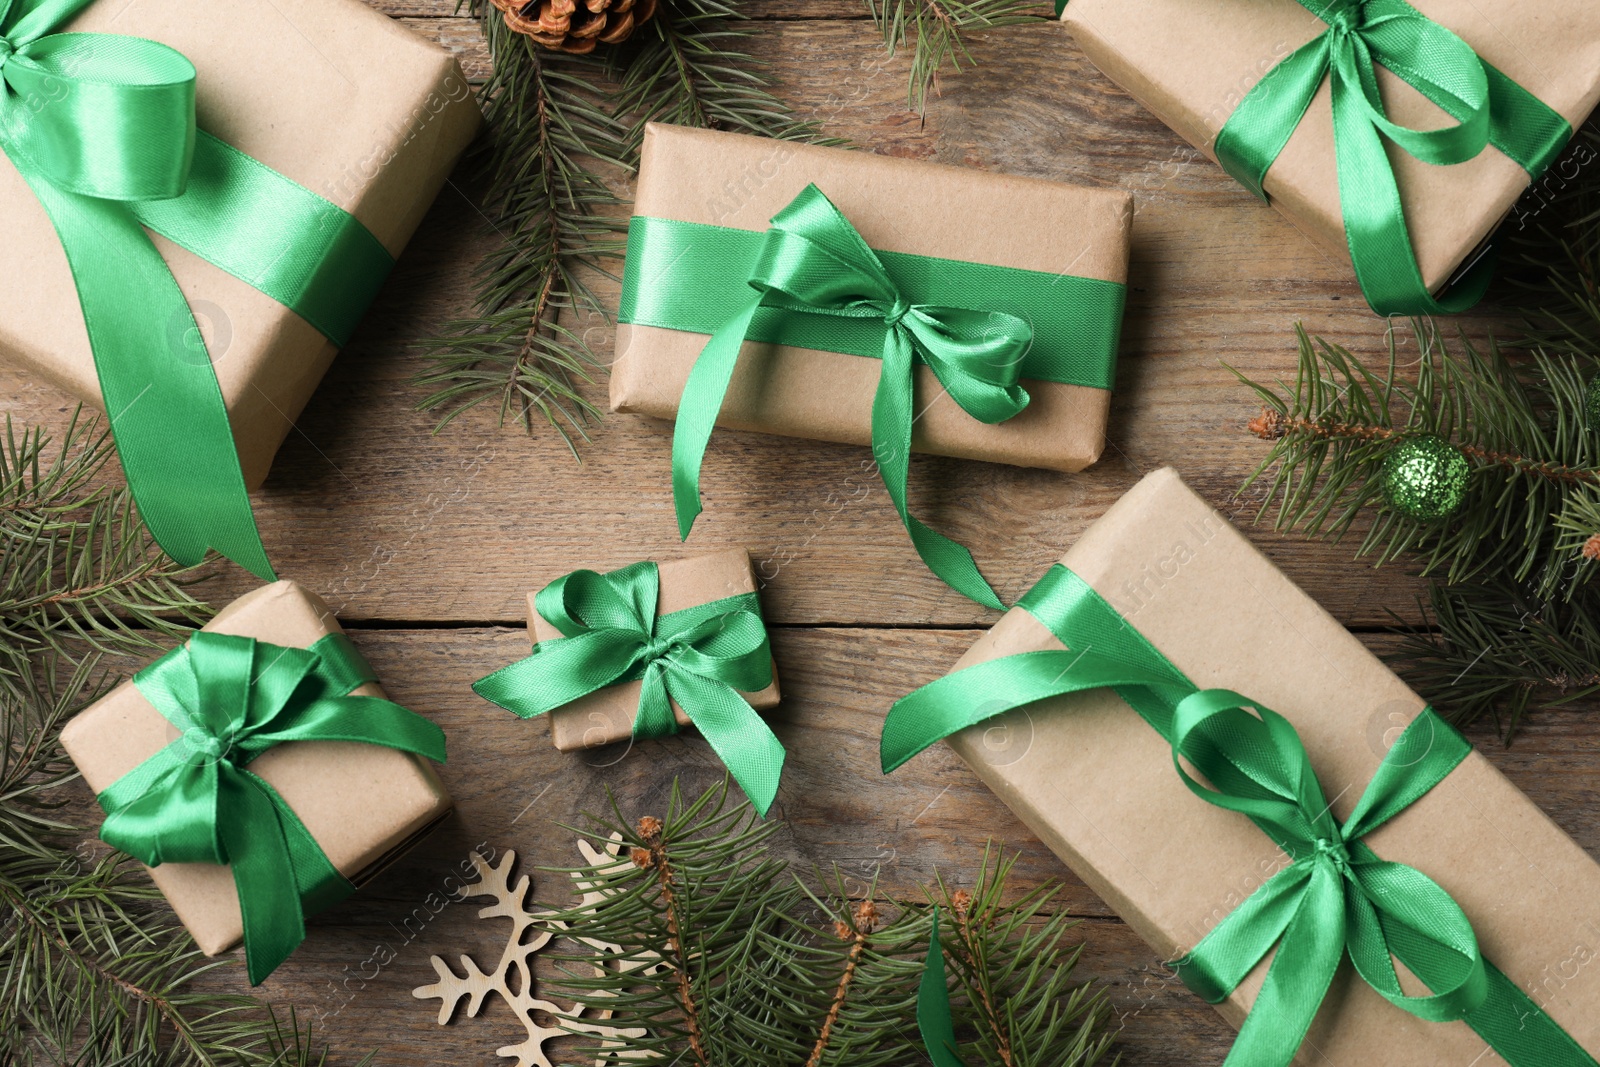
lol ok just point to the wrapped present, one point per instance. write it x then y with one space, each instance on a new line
243 768
1395 135
199 201
844 296
1261 799
646 650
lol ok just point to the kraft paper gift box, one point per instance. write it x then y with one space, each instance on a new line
330 93
897 205
1192 61
330 785
1096 783
607 715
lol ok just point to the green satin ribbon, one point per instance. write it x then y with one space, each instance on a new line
812 281
934 1023
196 801
102 128
1488 107
703 657
1335 897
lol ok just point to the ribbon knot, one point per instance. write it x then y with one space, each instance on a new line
814 262
196 800
1487 107
703 658
1335 852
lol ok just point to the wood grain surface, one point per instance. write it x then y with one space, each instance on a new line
427 544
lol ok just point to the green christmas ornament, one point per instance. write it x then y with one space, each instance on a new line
1591 404
1425 477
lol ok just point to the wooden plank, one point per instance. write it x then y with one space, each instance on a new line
390 522
933 816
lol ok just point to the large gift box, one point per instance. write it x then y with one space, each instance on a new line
1194 62
1092 777
363 804
330 93
728 181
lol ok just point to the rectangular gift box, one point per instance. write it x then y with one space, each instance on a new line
1192 61
329 784
897 205
330 93
607 715
1096 783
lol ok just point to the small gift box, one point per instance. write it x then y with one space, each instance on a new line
1165 663
1397 135
845 296
278 177
648 649
245 765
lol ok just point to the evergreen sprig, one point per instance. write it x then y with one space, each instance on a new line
724 956
936 31
563 130
93 969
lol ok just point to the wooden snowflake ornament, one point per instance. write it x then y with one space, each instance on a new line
513 978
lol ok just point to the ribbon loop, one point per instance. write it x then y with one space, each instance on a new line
196 801
703 657
812 261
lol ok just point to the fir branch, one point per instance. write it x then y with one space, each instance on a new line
936 30
723 956
552 215
1531 501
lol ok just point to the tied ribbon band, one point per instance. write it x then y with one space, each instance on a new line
1487 106
813 261
196 801
102 128
1334 899
703 657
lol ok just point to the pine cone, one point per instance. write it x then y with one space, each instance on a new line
576 25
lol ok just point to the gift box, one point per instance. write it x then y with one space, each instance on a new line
331 94
330 785
1192 62
1096 782
606 716
730 181
646 649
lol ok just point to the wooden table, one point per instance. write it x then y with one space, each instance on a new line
427 545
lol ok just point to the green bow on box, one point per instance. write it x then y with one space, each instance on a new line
811 281
1363 35
102 128
1335 898
703 657
196 800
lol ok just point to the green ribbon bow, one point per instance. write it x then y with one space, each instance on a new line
1362 35
102 128
196 801
1335 897
812 260
703 657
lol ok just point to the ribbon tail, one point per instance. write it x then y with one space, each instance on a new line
161 394
740 738
891 448
933 1006
698 408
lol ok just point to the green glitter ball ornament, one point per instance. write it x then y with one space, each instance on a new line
1425 478
1591 404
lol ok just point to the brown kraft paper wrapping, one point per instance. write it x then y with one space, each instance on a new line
1192 61
1096 783
726 179
331 785
330 93
606 715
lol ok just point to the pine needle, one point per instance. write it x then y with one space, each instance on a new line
936 31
